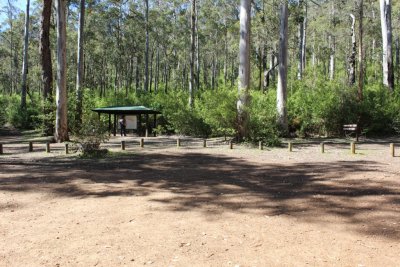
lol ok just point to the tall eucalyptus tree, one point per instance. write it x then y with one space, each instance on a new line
387 57
25 58
79 72
61 131
244 69
282 69
46 64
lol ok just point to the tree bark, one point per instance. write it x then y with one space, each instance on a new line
397 59
360 50
244 69
387 62
197 52
352 58
282 70
192 53
25 58
46 63
61 133
79 72
302 40
146 70
332 65
12 48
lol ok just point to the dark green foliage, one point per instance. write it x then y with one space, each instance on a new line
91 134
319 109
218 109
3 111
263 125
177 115
46 118
21 118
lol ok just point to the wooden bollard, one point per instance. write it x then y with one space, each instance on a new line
141 142
230 145
146 133
290 146
122 145
204 142
353 148
260 145
47 147
1 148
178 142
66 148
392 152
322 147
30 146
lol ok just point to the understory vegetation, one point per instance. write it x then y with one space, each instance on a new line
320 110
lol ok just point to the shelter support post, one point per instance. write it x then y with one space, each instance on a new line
139 126
154 124
147 125
109 124
115 124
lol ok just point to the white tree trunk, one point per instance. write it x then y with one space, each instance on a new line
332 66
397 64
352 58
197 52
302 39
25 59
282 70
146 56
244 69
192 53
79 72
360 4
387 58
61 133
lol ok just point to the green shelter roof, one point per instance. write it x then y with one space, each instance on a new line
134 110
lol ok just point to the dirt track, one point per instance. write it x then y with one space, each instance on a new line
164 206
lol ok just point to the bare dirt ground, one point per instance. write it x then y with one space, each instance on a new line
194 206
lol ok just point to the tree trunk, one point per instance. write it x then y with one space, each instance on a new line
213 72
387 62
146 70
301 40
151 70
61 133
157 76
12 49
226 55
137 75
192 53
332 66
46 63
304 40
244 69
397 60
352 58
360 51
282 70
25 59
373 46
197 52
79 72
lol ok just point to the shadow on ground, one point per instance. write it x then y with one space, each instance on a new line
354 193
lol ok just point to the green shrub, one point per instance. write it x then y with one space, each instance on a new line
218 109
90 135
262 125
22 118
